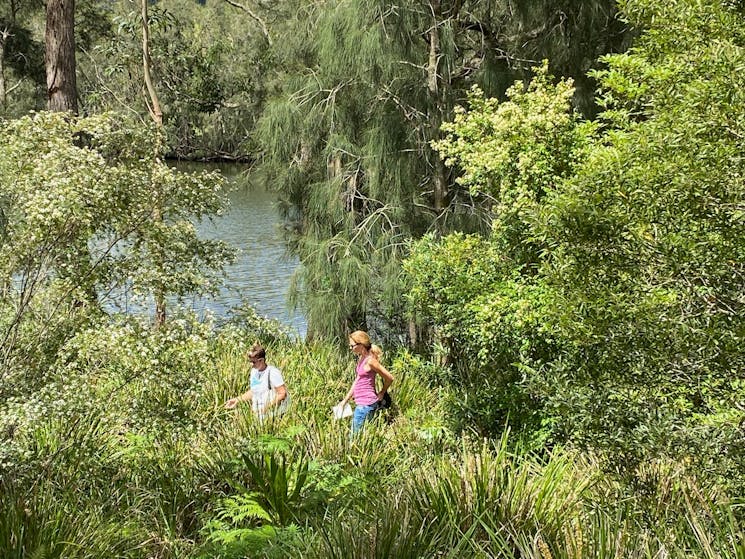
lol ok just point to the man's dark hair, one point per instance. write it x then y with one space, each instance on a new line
257 351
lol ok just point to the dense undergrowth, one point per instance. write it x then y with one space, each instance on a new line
137 458
577 390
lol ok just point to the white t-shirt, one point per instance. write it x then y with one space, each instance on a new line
263 384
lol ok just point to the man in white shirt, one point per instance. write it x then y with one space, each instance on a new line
267 392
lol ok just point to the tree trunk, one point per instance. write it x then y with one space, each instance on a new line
154 107
62 96
62 93
413 338
436 107
4 35
157 114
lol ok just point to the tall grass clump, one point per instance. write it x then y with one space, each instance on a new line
65 500
129 452
491 496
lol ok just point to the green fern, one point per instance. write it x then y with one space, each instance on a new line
243 508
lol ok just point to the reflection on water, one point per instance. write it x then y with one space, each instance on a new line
261 273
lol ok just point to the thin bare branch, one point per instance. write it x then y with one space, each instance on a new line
255 17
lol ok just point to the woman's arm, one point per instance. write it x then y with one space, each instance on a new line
388 379
349 395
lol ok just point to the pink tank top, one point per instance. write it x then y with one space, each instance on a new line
364 387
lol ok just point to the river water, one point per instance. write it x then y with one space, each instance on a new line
261 273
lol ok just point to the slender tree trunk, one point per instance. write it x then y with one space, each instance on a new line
436 106
62 93
157 114
4 34
154 107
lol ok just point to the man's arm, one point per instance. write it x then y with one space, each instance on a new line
276 383
233 402
280 395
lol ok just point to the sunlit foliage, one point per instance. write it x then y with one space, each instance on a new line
348 137
77 199
633 292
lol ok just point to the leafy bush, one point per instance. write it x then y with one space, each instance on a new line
614 316
151 379
647 248
87 207
491 325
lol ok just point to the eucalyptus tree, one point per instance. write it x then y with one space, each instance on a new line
367 85
62 91
24 44
157 115
208 65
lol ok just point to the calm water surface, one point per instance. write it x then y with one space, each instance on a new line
261 273
262 270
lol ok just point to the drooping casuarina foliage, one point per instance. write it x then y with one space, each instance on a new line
348 135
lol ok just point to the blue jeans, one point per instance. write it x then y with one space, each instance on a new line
362 414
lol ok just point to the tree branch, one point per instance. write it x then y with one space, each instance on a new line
255 17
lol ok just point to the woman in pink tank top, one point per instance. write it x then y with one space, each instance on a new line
366 398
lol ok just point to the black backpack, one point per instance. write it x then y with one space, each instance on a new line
387 401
